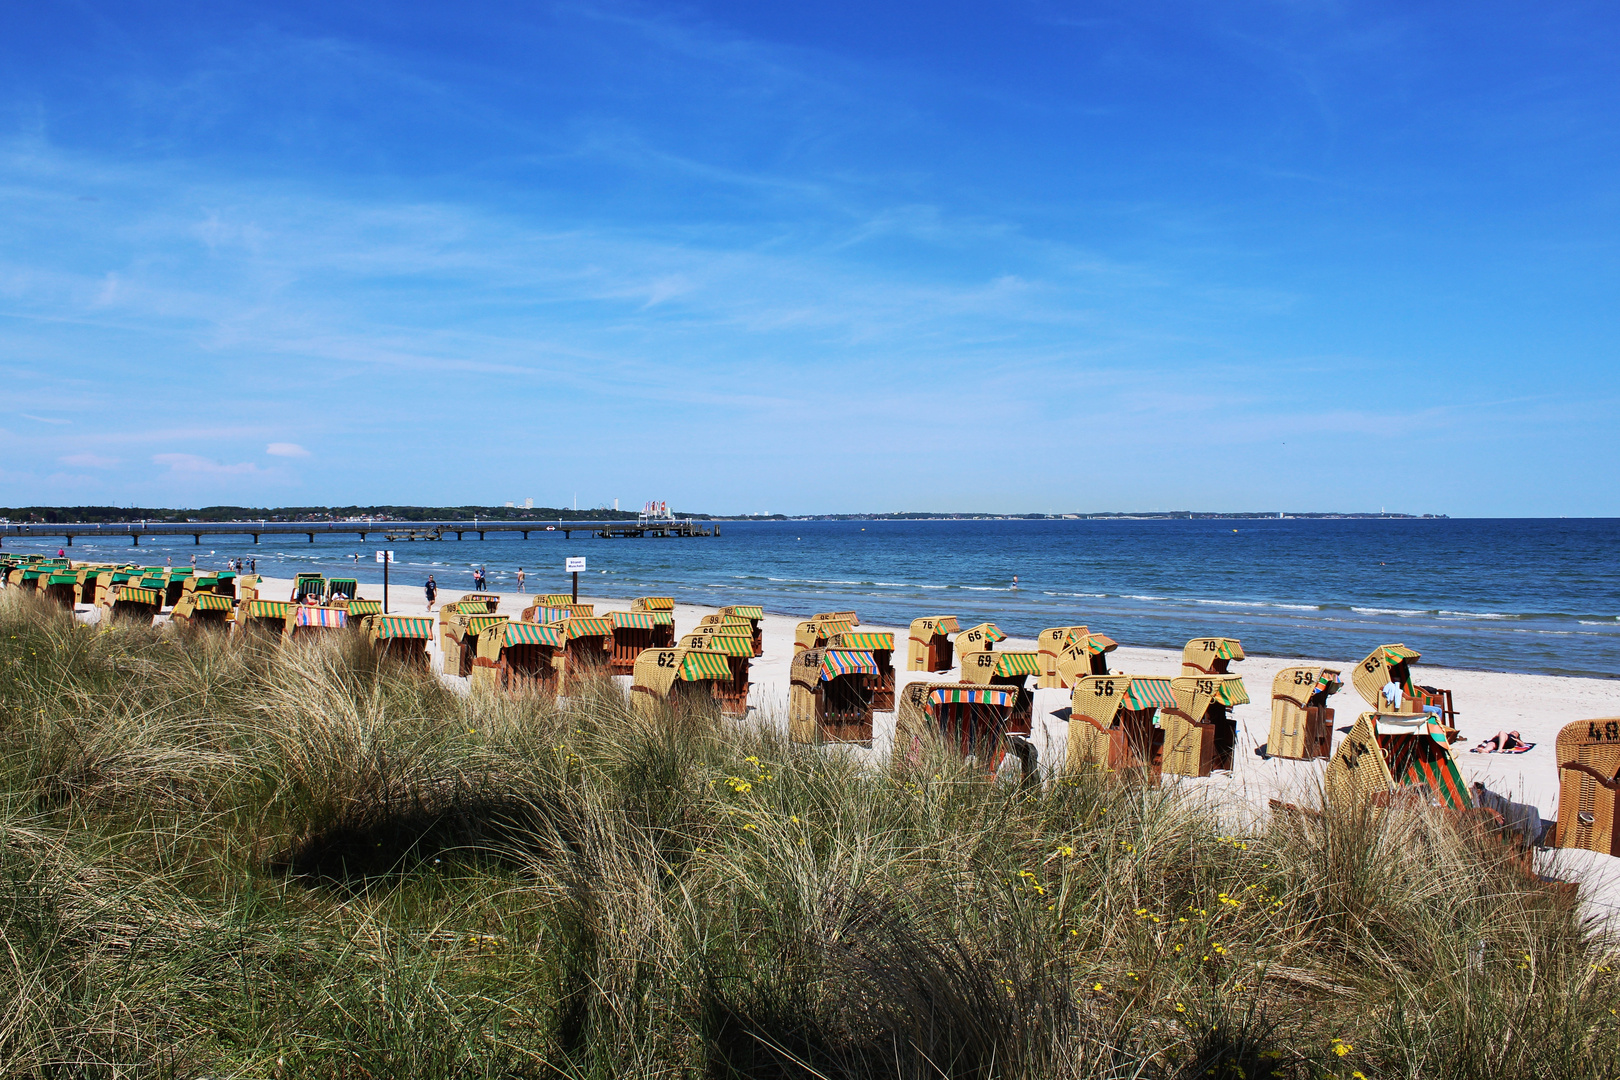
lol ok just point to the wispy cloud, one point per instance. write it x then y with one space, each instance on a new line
90 461
195 465
286 449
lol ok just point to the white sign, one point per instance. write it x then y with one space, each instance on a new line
575 565
385 556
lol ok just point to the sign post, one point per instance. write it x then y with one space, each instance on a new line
575 565
385 557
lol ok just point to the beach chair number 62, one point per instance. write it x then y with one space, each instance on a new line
666 659
1105 688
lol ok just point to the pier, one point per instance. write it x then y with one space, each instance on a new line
392 531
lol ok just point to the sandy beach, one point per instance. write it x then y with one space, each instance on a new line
1534 705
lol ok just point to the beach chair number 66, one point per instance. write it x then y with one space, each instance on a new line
1104 688
1611 731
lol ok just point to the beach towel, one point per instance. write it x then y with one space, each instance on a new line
1516 748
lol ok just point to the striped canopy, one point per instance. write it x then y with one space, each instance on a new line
653 603
746 611
477 624
1231 692
730 644
1150 693
268 609
556 599
663 618
836 662
703 664
214 602
62 579
548 613
348 586
1100 643
365 607
961 695
632 620
528 633
135 595
1018 663
933 626
1394 654
578 628
330 618
869 640
402 626
990 633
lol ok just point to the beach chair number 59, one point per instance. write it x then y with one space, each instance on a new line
1302 677
1104 688
1610 732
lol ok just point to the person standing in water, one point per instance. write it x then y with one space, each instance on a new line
520 579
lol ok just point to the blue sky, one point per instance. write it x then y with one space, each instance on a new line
807 258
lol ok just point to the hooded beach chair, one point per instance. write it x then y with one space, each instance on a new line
634 632
518 656
975 639
1301 721
1049 643
586 653
881 645
663 613
263 616
1111 722
549 613
815 633
467 627
755 617
1386 756
972 720
555 599
136 603
61 587
1083 653
1210 655
311 620
403 637
491 601
734 643
346 587
1393 664
204 609
681 679
830 696
929 646
359 609
1588 757
308 585
1199 730
1010 669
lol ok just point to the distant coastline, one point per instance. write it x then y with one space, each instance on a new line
121 515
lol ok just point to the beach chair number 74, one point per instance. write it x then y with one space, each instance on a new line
1611 731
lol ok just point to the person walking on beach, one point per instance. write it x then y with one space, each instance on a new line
431 588
520 579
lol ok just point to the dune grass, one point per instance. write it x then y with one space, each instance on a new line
224 858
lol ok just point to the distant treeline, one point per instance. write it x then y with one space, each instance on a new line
1163 515
57 515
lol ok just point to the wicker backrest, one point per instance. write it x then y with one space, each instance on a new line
1588 758
1378 668
980 638
1049 643
1194 694
1210 655
923 632
1357 770
1079 657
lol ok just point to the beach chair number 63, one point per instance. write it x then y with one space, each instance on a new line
1610 732
1104 688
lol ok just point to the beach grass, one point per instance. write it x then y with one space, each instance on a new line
223 858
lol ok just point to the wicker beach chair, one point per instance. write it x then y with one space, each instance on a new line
755 616
1011 670
1301 721
204 610
1111 723
881 645
1386 756
1049 643
838 616
1210 655
491 602
518 656
815 633
734 642
1199 730
556 599
136 603
1393 664
680 679
308 620
830 696
1083 653
1588 756
586 654
929 646
634 632
403 637
662 609
308 585
973 720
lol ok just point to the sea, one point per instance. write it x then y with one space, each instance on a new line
1519 595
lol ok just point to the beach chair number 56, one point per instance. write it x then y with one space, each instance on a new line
1610 732
1104 688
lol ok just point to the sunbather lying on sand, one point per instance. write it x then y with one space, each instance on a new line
1503 742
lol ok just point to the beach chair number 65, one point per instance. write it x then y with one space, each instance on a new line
1105 688
1611 731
